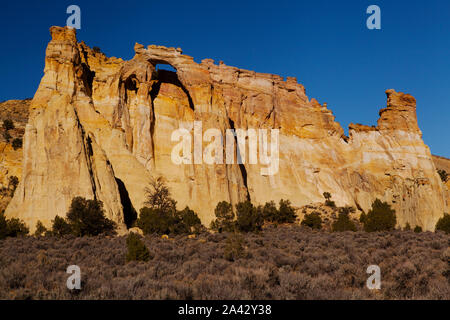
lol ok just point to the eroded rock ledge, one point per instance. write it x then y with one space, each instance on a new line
100 127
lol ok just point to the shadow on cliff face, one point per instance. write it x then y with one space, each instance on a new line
130 214
168 76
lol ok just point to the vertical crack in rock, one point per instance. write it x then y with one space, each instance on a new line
241 165
130 214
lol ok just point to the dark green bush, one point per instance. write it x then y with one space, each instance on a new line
160 215
312 220
87 218
154 221
407 227
248 217
137 251
12 227
286 213
234 247
17 143
328 201
363 217
16 228
343 223
418 229
60 227
40 229
269 211
187 221
224 217
443 223
380 218
8 124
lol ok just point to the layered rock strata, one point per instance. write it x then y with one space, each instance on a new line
101 128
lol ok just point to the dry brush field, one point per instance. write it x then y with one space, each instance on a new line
288 262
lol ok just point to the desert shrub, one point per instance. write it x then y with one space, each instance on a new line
8 124
248 217
60 227
363 217
87 218
286 213
343 223
16 228
12 227
186 221
287 262
40 229
224 217
380 218
443 223
17 143
418 229
444 175
312 220
154 221
328 201
137 251
234 247
160 215
96 49
407 227
269 211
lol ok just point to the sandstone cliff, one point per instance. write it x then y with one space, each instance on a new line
101 127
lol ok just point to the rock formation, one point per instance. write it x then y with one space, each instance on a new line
101 127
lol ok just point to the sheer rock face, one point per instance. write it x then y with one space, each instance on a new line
101 127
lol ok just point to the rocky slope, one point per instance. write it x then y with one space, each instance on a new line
101 127
11 157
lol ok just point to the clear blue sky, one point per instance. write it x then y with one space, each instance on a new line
325 44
